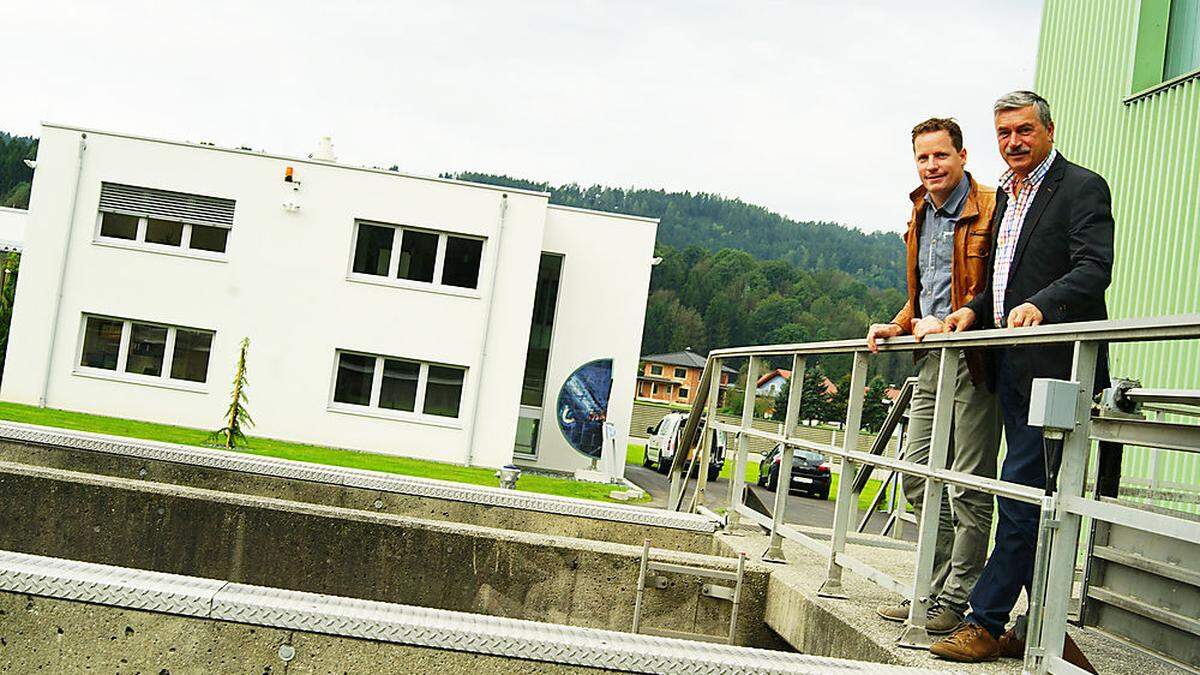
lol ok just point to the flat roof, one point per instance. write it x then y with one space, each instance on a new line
610 214
297 160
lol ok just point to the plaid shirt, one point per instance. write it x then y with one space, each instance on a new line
1010 228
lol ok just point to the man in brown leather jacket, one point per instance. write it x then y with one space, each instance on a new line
949 238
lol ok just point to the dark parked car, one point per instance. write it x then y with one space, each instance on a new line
810 471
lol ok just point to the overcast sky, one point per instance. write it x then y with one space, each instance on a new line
802 107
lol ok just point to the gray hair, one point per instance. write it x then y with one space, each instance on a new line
1023 99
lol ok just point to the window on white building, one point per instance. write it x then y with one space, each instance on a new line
398 391
147 347
463 257
189 360
118 226
165 221
418 256
424 256
147 352
401 385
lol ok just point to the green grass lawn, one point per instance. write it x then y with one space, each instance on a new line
633 455
270 447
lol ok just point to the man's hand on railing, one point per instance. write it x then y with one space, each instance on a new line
1024 314
960 320
926 326
881 331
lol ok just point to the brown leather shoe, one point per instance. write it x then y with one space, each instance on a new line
969 643
1013 647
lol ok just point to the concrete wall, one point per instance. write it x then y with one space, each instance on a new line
285 282
469 513
48 635
352 553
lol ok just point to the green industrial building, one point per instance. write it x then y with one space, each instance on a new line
1123 81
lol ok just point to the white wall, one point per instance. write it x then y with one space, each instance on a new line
600 313
12 228
284 286
772 386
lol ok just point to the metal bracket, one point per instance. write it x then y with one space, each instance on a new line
831 589
914 638
717 591
774 555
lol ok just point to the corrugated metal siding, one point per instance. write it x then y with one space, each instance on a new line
1149 150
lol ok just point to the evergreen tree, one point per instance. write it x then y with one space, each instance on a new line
237 418
875 409
839 401
815 400
779 405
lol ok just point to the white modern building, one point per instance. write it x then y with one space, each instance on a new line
398 314
12 229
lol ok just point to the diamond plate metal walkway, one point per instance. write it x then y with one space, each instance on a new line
355 478
384 622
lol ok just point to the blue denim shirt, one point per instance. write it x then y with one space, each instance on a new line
936 251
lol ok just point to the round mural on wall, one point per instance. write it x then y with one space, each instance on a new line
583 406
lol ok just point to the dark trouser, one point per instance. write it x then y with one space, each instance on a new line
1010 567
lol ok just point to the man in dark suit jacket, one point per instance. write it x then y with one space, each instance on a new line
1051 262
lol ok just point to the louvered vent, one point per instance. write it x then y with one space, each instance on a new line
165 204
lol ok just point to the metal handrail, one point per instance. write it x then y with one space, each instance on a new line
1061 511
1180 327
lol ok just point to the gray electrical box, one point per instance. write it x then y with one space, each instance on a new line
1052 404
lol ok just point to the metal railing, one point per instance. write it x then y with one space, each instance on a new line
1061 510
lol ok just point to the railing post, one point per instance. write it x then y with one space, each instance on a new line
737 479
914 634
714 394
842 514
708 436
1060 577
896 507
783 480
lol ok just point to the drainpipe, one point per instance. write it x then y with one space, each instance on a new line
62 271
487 326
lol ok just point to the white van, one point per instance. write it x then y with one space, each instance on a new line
664 439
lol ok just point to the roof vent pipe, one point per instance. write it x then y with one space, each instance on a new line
324 152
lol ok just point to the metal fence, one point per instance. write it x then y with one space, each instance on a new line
1062 510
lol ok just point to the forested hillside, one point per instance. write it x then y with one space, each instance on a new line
15 177
734 273
713 222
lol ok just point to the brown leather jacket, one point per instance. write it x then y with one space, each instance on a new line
972 248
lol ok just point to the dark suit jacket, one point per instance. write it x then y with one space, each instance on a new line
1063 264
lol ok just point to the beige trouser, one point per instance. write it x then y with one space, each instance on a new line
965 521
